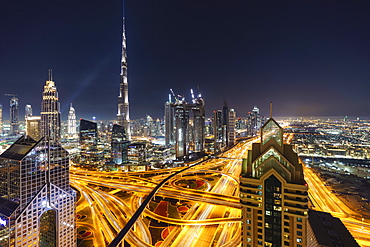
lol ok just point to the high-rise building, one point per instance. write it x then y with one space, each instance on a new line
217 131
33 127
37 202
182 126
14 125
273 193
123 117
231 132
119 144
89 143
72 130
198 124
225 124
27 111
1 119
169 118
50 111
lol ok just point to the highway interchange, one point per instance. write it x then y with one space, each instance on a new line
214 212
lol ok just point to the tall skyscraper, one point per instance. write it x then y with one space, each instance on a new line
182 126
198 123
14 125
232 121
37 202
169 118
1 119
273 193
123 117
225 124
89 143
72 130
50 111
119 144
27 111
217 131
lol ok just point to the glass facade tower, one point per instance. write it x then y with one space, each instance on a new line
37 204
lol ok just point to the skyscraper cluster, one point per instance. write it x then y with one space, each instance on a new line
37 202
184 123
224 128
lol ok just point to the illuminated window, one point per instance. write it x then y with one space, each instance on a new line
299 240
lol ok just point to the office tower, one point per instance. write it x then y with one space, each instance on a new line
273 193
136 153
50 111
14 125
198 124
1 119
182 126
119 144
123 117
72 130
27 111
33 127
89 143
232 121
225 124
150 125
37 202
169 118
217 130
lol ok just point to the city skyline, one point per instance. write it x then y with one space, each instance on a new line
310 55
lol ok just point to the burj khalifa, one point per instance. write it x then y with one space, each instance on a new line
123 116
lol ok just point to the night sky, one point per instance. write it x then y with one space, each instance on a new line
310 58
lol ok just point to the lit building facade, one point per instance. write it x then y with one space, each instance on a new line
14 115
218 131
123 117
136 153
89 143
273 193
119 145
169 118
27 111
37 204
50 111
1 119
231 132
198 124
182 126
33 127
71 127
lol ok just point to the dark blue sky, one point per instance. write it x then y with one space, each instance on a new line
310 58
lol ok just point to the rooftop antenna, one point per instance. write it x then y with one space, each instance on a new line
270 109
192 95
50 74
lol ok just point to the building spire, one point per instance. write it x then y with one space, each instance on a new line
50 75
270 109
123 117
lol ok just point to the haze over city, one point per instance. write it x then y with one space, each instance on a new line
309 57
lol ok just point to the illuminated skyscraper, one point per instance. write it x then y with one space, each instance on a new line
182 126
123 117
50 111
89 143
225 124
169 118
119 144
198 123
37 204
273 193
27 111
14 125
1 119
231 133
72 130
217 131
